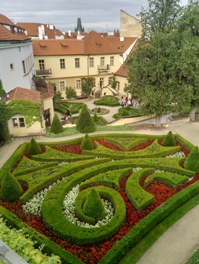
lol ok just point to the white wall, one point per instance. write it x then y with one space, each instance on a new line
13 55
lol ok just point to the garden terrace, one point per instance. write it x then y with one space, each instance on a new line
132 174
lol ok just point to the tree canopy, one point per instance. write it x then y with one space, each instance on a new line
154 76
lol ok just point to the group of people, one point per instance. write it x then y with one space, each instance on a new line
125 101
68 113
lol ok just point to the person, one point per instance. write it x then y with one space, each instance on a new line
64 118
68 112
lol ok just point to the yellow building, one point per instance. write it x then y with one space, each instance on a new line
65 62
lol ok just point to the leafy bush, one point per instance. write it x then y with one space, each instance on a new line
95 118
87 143
11 189
192 161
85 123
70 93
34 148
169 140
56 126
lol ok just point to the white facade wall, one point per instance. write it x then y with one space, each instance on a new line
11 67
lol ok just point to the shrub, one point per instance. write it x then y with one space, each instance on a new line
169 140
93 206
95 118
70 93
11 189
85 123
56 126
34 148
192 161
87 143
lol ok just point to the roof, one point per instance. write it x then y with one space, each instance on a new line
20 93
92 44
25 94
32 29
10 32
122 71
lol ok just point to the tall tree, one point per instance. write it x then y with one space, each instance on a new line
188 32
87 85
153 76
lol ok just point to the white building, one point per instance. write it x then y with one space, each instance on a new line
16 56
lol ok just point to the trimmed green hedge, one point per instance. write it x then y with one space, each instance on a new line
108 100
148 223
139 198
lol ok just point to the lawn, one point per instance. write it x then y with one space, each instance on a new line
140 182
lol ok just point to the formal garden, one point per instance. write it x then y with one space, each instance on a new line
94 199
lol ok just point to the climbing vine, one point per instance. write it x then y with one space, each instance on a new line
30 110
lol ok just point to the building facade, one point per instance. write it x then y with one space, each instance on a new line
16 56
65 62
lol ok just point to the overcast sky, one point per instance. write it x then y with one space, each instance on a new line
99 15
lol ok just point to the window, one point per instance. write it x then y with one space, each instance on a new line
111 61
102 61
11 66
101 82
15 122
21 122
62 86
110 80
41 65
91 62
77 63
24 66
78 84
18 122
93 82
62 63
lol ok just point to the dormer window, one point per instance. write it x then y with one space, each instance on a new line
64 45
98 44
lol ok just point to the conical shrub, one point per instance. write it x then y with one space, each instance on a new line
11 189
93 206
85 123
34 148
169 140
86 143
95 118
56 126
192 160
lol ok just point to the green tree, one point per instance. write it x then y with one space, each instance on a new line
58 97
87 85
34 148
4 116
85 123
188 34
70 93
2 91
56 126
153 77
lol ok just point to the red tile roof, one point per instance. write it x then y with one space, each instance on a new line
9 31
92 44
20 93
122 71
32 30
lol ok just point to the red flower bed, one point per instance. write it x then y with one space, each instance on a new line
92 254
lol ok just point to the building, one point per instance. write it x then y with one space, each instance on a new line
16 56
129 25
79 27
41 31
32 111
65 62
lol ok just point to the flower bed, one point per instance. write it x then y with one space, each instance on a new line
133 176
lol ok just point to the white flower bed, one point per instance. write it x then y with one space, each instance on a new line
69 210
179 154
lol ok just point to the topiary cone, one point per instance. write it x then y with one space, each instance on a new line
33 148
169 140
86 143
56 126
93 206
11 189
192 160
85 123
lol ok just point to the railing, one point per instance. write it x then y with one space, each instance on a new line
103 68
44 72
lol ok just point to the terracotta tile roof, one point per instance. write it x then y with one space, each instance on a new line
9 31
92 44
20 93
32 30
50 92
122 71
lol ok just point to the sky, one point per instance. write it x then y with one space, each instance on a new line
98 15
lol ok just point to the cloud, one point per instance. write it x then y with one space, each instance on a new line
99 15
